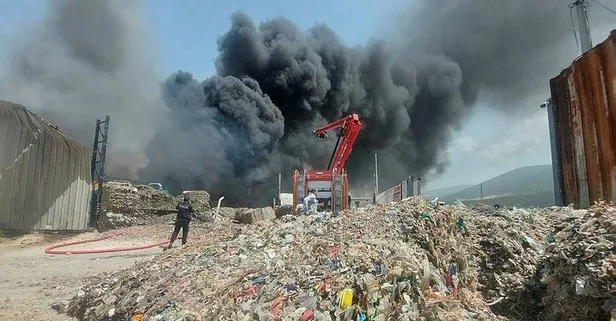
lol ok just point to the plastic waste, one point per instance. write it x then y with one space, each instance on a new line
137 317
346 299
432 270
580 285
309 302
307 315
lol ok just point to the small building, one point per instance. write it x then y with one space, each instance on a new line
45 178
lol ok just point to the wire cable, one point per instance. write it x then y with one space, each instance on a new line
604 6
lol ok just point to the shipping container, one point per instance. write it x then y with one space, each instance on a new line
45 179
583 127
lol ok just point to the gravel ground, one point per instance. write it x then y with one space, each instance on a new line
32 281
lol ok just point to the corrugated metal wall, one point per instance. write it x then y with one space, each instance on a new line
44 175
584 127
394 193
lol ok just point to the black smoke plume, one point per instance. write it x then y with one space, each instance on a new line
233 132
412 95
507 50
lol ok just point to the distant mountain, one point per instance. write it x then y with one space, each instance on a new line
445 191
526 186
541 199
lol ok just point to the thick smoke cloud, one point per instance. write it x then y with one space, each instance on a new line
88 58
234 132
413 93
222 135
276 83
507 50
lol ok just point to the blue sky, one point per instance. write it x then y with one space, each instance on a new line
186 32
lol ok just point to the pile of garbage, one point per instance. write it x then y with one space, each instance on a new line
125 204
409 260
580 267
200 200
125 197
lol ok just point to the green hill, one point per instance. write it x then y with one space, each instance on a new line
445 191
525 187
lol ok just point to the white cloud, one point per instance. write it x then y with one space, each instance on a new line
527 137
466 144
492 144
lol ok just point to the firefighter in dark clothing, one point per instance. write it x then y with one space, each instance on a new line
185 213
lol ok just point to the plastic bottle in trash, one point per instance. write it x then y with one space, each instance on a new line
346 299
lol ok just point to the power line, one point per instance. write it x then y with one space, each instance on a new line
604 6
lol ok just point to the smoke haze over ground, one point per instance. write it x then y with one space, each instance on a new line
87 59
235 131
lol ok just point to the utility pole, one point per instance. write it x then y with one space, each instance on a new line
418 186
583 24
481 191
376 175
374 192
279 188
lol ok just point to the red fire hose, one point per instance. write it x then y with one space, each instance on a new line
53 248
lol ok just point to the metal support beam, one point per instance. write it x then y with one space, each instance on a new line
555 148
99 153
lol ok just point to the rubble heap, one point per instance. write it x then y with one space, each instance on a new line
401 261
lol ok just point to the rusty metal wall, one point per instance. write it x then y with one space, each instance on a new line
44 174
583 115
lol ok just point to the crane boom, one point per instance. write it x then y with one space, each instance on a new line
331 184
349 130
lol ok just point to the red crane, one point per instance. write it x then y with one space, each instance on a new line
331 184
349 129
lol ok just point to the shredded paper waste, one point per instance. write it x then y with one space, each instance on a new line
409 260
126 204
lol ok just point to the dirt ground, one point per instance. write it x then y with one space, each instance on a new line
32 281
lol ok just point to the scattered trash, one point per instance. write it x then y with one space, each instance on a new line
400 261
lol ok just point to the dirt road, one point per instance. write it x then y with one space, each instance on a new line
32 281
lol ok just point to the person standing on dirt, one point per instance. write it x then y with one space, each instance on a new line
182 220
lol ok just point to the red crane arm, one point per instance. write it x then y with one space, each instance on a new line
350 127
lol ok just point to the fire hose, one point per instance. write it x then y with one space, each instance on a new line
54 249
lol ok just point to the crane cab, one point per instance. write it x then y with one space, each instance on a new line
332 189
331 184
